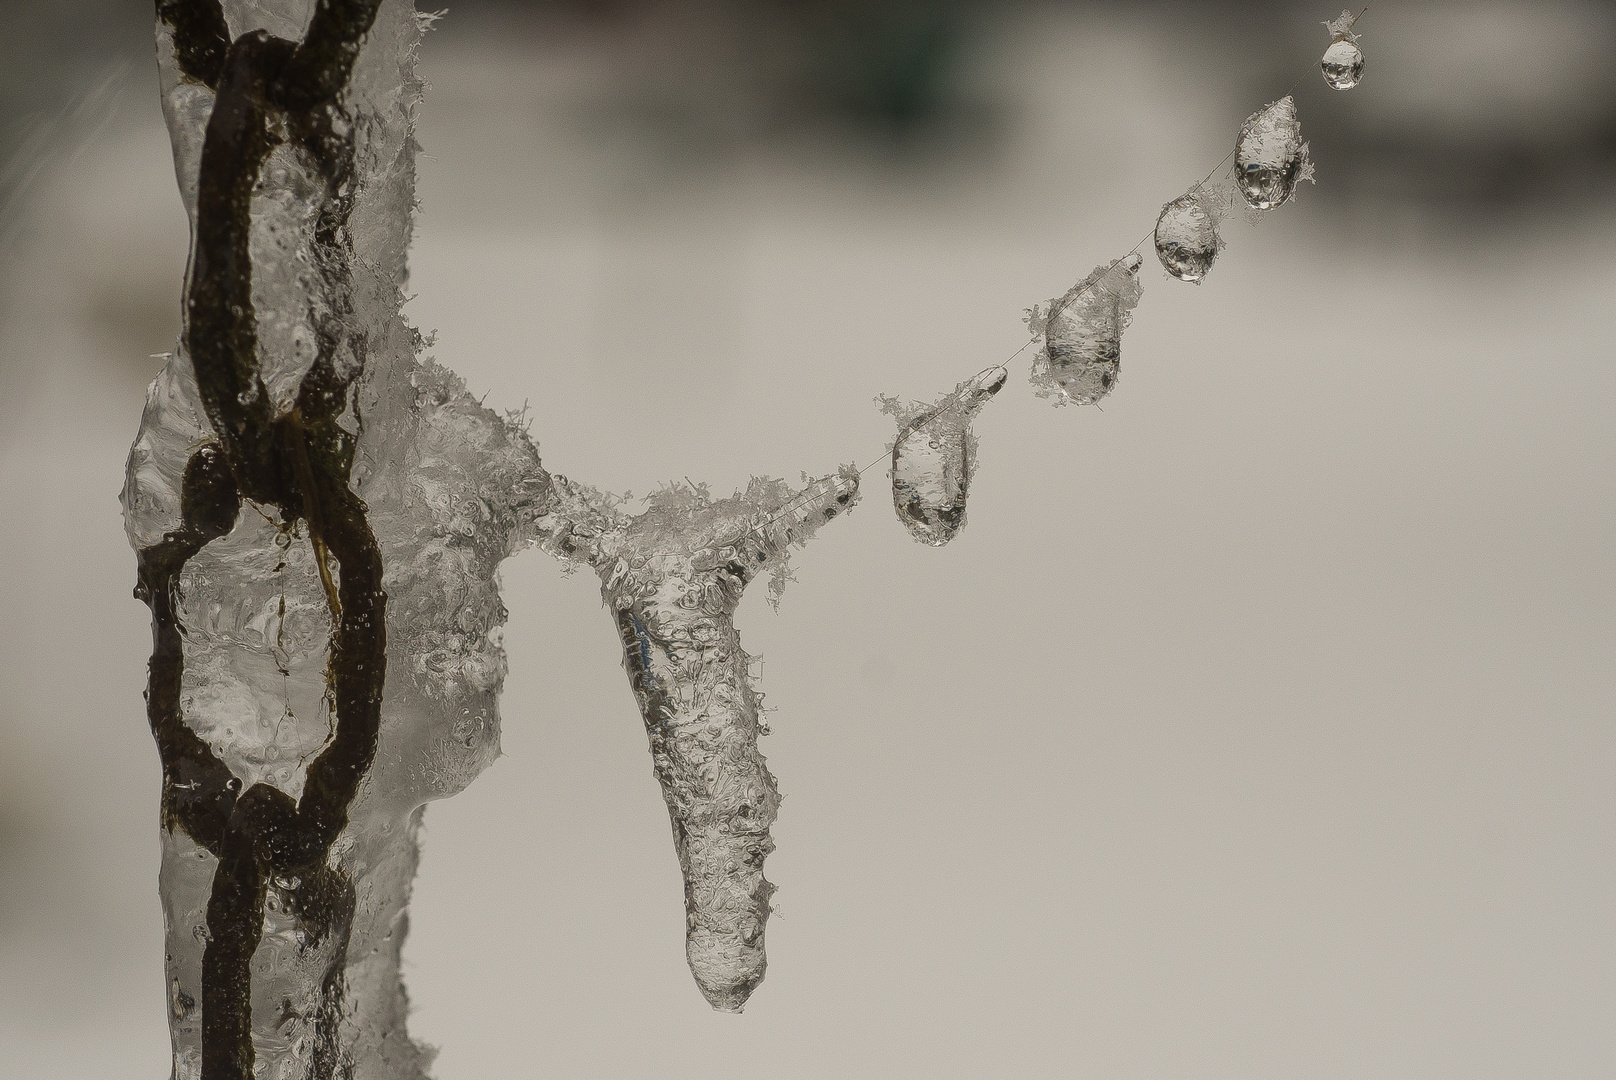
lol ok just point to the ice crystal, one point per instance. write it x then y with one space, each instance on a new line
934 456
1082 330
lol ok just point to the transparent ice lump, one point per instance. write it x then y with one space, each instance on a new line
1081 355
1270 158
934 456
1343 61
1187 239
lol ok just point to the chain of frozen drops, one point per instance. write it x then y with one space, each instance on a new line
934 453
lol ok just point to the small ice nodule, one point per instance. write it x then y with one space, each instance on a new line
1343 62
934 455
1270 157
1187 240
1082 352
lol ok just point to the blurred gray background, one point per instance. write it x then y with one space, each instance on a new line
1262 724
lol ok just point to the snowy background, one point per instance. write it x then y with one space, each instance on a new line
1262 724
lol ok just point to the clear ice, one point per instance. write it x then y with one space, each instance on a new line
934 456
1343 62
1186 238
319 513
1082 331
672 577
1270 157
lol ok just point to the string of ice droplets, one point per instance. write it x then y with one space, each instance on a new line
931 503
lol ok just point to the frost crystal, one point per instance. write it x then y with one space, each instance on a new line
1270 157
672 578
1341 28
1082 350
934 456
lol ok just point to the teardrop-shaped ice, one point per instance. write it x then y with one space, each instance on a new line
1187 239
1270 156
1343 61
1343 65
1082 330
934 455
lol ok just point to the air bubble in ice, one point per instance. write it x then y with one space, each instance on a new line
1187 239
1270 156
934 455
1082 352
1343 61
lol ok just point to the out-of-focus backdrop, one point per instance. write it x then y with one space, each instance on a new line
1261 723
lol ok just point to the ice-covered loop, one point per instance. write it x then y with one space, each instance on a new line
934 455
1187 239
1082 350
1343 61
1270 157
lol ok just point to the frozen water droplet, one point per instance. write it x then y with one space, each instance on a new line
1342 65
1270 156
1187 239
1343 61
1082 352
932 474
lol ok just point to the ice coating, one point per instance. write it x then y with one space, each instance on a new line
1270 157
1186 239
1082 331
1343 61
934 456
672 577
242 698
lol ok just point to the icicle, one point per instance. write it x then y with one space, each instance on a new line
1343 61
672 578
1187 240
1082 330
1270 156
934 455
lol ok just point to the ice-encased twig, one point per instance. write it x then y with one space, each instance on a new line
671 578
